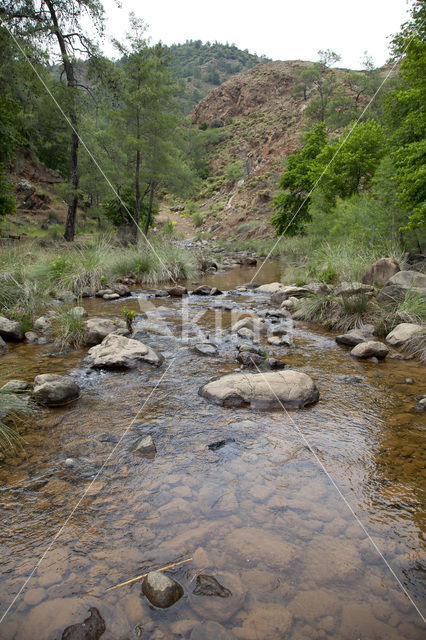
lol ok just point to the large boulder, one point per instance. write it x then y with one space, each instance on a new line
257 325
96 329
3 347
400 284
11 330
54 391
370 349
291 389
161 590
119 352
381 271
402 333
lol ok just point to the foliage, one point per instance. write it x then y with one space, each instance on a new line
128 315
7 200
12 407
119 209
234 171
291 205
68 328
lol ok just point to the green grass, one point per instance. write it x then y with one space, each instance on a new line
68 329
15 408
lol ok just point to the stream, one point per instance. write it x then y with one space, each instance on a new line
256 511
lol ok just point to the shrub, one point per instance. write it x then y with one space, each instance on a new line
68 328
216 123
203 126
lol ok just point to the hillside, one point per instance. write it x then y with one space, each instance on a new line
202 67
261 119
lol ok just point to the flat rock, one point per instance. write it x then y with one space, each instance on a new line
370 349
3 347
353 337
400 284
291 389
54 391
161 590
272 287
111 296
97 328
278 341
206 349
16 386
208 586
290 292
103 292
11 330
402 333
119 352
380 271
348 289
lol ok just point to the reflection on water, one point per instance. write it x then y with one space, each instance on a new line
257 513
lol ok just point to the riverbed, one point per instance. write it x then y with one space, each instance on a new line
258 511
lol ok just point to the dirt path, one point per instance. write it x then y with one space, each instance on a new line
183 225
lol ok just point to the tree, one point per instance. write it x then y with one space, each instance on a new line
291 205
62 21
323 82
405 115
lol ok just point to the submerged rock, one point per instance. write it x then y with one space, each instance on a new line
92 628
11 330
205 290
291 389
54 391
119 352
209 586
161 590
370 349
211 631
380 271
214 446
402 333
97 328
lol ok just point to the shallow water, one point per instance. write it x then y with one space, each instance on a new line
258 513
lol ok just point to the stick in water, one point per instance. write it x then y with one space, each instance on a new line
169 566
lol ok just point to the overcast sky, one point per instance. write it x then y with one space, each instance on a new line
280 29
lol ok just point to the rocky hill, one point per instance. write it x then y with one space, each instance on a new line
262 117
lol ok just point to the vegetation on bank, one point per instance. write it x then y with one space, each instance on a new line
31 275
12 410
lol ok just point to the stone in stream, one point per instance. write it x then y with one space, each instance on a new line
43 324
272 287
281 340
354 336
15 386
31 337
270 390
102 292
11 330
402 333
421 404
380 271
53 390
206 349
205 290
97 328
257 325
146 447
122 290
119 352
247 333
209 586
161 590
111 296
177 291
370 349
250 360
251 348
211 631
214 446
3 347
92 628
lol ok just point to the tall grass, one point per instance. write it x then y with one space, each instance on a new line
11 409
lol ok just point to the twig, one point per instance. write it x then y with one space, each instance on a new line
169 566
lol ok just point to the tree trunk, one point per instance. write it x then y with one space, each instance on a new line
151 201
71 82
137 180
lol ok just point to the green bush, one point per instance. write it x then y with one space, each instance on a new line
216 123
